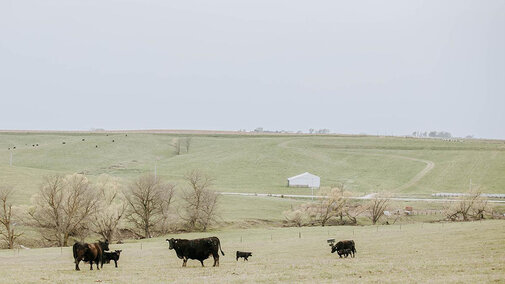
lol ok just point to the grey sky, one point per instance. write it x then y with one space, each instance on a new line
350 66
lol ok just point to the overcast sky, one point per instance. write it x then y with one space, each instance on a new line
351 66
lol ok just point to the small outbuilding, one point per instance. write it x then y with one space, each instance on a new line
304 180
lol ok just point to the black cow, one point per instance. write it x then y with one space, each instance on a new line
89 253
199 249
243 254
344 245
344 252
108 256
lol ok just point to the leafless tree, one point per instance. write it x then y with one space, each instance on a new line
471 206
296 217
111 207
187 143
63 207
352 211
7 230
147 200
324 209
200 202
377 205
177 144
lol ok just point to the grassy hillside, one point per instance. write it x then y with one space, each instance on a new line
471 252
259 163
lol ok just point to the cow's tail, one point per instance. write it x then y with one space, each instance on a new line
74 249
219 244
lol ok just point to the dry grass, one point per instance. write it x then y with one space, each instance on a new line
453 252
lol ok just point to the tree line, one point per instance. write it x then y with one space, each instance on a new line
336 208
71 207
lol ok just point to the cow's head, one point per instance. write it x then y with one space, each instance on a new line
118 251
171 243
333 248
104 245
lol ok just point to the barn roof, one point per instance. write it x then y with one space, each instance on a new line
301 175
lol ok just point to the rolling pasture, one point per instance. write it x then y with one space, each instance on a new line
472 252
248 163
258 163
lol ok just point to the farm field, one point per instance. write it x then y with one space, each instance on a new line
248 163
472 252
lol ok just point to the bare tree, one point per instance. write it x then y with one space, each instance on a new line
324 209
376 207
7 231
200 202
63 207
352 211
147 200
111 206
471 206
296 217
177 144
187 143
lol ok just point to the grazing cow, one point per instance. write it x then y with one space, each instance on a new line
108 256
243 254
344 245
199 249
344 252
89 253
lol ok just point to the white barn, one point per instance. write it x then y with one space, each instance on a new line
304 180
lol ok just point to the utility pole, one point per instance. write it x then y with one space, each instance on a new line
156 168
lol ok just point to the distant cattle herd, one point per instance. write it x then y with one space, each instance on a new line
197 249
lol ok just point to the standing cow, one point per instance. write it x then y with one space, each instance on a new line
108 256
199 249
344 246
89 253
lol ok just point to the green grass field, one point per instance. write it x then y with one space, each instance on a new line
472 252
243 163
258 163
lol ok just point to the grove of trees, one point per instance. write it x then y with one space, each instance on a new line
71 208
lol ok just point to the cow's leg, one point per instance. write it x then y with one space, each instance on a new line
77 260
115 263
184 260
97 264
91 265
245 258
201 261
216 259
